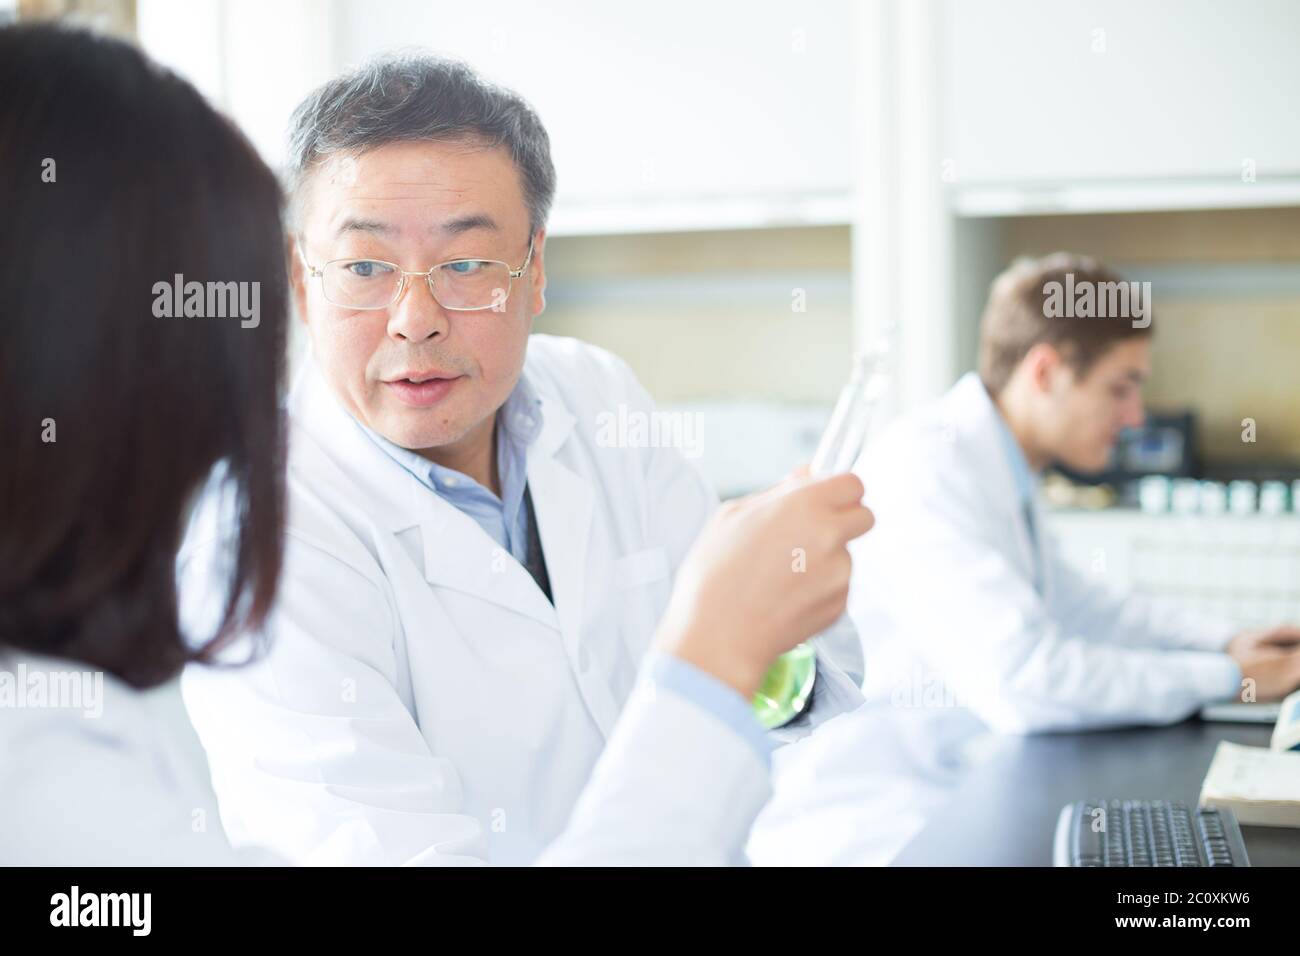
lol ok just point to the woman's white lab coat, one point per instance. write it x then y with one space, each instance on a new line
122 781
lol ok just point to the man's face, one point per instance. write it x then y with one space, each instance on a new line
1084 416
418 374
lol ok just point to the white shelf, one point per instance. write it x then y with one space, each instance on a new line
826 287
700 214
1048 199
1217 280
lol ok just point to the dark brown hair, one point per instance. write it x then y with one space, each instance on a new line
1017 317
115 175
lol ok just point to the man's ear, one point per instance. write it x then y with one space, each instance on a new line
297 277
1043 363
537 271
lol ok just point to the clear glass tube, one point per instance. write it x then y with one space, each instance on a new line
789 682
845 435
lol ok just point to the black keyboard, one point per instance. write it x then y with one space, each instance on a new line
1147 833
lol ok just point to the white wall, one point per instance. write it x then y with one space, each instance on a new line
254 59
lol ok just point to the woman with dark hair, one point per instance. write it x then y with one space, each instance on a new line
116 176
133 217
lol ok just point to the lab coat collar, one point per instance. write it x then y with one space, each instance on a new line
564 504
1025 477
396 501
971 412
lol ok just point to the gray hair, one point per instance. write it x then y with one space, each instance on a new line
412 96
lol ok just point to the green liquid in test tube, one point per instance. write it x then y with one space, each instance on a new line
788 683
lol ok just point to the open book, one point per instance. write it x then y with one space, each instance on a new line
1261 785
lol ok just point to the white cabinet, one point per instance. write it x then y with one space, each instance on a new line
1121 90
664 117
699 114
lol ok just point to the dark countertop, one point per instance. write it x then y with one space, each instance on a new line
1005 812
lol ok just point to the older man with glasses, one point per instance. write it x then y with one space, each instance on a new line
472 580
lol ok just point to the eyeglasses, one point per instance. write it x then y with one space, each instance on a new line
458 285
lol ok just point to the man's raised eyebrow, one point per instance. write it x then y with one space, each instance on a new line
353 224
455 227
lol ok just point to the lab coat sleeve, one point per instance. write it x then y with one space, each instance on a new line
936 558
1130 619
314 754
675 786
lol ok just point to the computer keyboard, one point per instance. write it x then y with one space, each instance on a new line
1147 833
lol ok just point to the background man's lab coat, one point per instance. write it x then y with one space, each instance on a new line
966 616
420 691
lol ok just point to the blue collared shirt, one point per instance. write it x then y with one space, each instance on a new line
1025 477
505 519
1026 480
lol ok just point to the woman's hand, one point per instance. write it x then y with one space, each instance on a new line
768 571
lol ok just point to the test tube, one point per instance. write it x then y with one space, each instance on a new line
845 435
789 681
